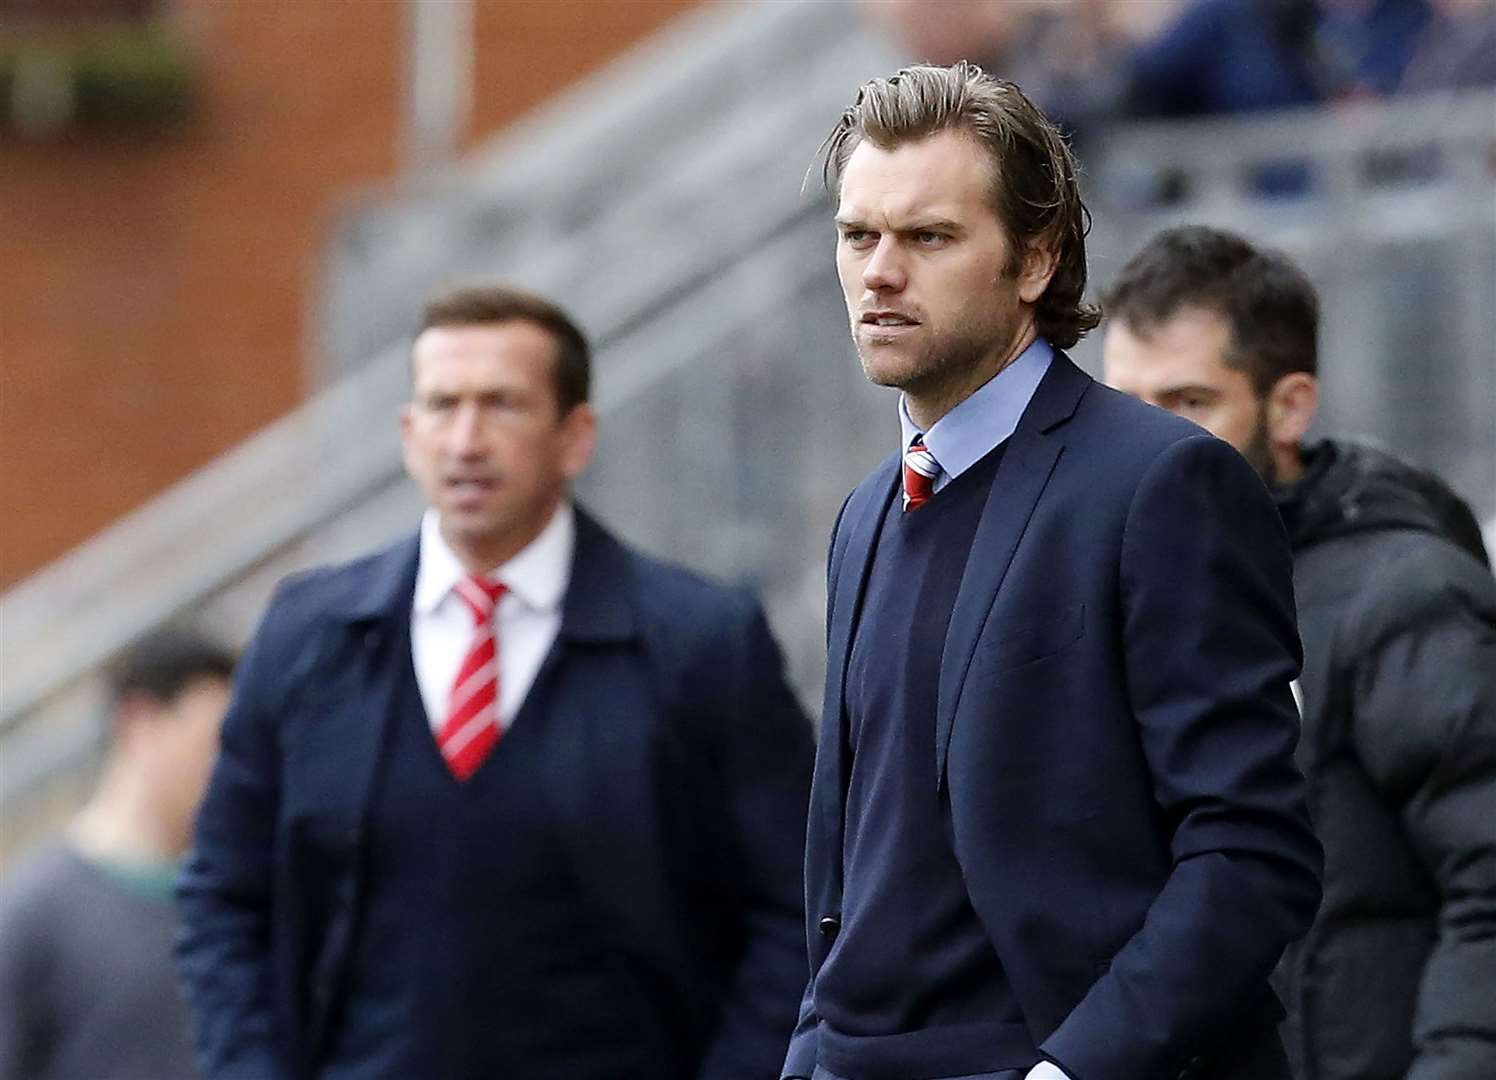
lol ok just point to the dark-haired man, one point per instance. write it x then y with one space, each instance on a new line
507 799
1398 616
87 985
1056 827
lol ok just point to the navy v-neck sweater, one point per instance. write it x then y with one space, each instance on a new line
912 986
477 953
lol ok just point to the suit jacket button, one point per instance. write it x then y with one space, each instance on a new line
829 926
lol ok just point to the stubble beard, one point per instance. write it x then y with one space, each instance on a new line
949 357
1258 450
938 362
944 360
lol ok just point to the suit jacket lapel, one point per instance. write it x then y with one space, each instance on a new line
857 533
1021 478
598 618
374 676
597 608
366 679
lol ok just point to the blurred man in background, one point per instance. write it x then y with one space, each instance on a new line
87 984
1092 63
1070 56
507 799
1057 829
1457 51
1241 56
1397 611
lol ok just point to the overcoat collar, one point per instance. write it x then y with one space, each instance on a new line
385 588
597 608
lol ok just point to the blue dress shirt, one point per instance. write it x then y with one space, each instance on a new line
966 434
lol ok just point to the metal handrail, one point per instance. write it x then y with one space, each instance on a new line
283 484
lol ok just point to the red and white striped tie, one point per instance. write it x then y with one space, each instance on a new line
920 471
472 728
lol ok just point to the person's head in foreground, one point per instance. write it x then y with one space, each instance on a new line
960 231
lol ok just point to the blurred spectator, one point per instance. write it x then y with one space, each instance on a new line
1229 57
1236 56
87 984
1457 49
1092 62
1066 54
975 30
1087 60
1397 611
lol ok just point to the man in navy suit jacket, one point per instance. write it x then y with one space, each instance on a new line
507 799
1056 829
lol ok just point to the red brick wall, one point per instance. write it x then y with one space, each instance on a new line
153 292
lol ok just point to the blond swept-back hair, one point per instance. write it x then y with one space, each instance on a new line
1035 191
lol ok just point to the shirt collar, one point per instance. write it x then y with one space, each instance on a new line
538 574
970 431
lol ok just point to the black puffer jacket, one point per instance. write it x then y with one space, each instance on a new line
1397 610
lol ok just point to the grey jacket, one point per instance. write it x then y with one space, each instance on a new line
1397 610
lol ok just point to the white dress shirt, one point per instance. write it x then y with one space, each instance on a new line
527 619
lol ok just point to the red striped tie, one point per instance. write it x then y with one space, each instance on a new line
472 726
920 471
